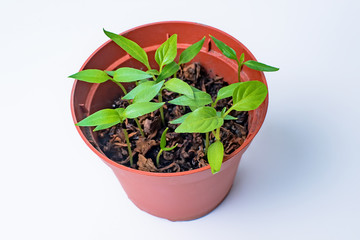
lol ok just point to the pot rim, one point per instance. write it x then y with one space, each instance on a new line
107 160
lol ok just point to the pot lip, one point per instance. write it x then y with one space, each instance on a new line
110 162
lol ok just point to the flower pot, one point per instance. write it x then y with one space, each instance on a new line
174 196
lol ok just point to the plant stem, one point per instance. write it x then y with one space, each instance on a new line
174 75
214 103
139 126
213 132
161 108
206 142
239 70
158 158
121 86
217 134
136 120
227 112
128 145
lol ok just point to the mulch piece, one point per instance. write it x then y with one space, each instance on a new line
189 154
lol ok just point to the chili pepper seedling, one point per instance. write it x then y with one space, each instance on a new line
163 147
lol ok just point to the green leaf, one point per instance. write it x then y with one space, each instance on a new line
153 72
223 111
135 91
193 108
126 74
260 66
132 48
168 71
225 49
121 111
227 117
195 89
180 119
111 73
200 99
91 76
179 86
202 120
242 58
170 148
189 53
142 81
105 126
166 53
249 95
138 109
227 91
215 156
104 116
163 139
147 94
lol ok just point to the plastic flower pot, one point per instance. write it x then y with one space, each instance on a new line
174 196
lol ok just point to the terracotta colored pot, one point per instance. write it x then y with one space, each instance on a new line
174 196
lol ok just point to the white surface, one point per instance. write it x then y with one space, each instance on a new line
298 180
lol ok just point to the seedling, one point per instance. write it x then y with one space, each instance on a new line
106 118
163 147
124 74
230 53
204 118
246 96
164 56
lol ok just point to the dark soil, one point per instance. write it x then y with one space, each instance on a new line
189 154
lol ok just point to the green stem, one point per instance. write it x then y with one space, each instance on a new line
213 132
128 145
139 126
121 86
158 158
161 108
227 112
174 75
239 70
214 103
206 142
136 120
217 134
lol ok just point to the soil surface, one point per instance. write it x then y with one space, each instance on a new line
189 153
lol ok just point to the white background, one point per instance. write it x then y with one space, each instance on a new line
298 180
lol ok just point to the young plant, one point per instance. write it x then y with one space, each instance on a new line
167 52
164 56
163 147
203 119
247 96
106 118
230 53
121 75
146 90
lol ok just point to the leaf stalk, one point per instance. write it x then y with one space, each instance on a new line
139 126
206 142
128 145
158 158
161 109
121 86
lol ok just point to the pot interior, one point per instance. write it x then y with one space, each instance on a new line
89 98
